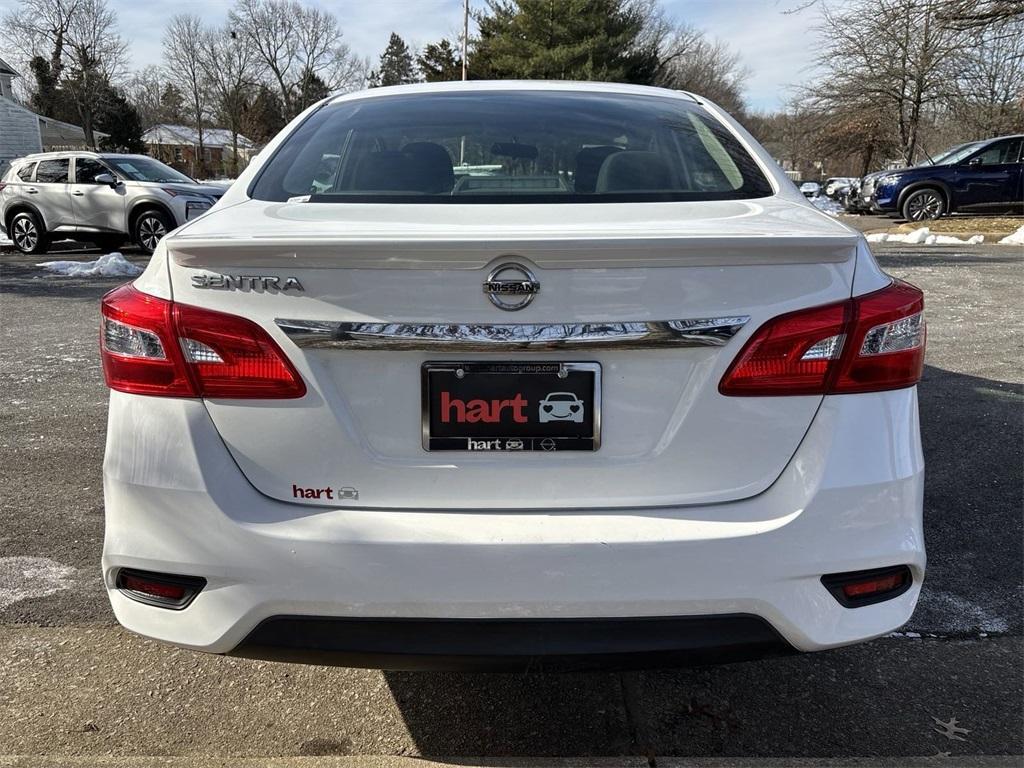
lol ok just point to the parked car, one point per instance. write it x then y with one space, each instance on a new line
97 198
837 185
981 177
325 438
810 189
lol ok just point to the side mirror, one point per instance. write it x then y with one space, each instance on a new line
974 161
108 179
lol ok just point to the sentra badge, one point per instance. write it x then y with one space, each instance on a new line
247 283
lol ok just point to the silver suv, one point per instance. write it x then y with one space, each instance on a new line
98 198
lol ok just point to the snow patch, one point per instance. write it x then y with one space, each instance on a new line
923 236
1017 238
22 578
827 205
109 265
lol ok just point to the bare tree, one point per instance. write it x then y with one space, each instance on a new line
75 42
232 69
973 14
40 28
693 62
894 55
989 94
97 58
184 48
145 89
297 43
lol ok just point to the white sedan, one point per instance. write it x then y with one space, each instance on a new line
327 438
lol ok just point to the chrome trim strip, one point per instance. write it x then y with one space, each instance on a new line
699 332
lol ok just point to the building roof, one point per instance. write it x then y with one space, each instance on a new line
7 69
183 135
57 132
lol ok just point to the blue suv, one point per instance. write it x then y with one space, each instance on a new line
982 177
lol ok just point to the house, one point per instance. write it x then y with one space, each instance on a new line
178 146
23 132
19 127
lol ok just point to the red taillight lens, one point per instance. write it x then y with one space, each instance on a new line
138 346
866 344
887 341
152 346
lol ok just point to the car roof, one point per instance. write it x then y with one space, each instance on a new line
57 155
470 86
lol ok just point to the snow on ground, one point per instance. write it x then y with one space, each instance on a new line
828 205
1017 238
22 578
108 265
923 236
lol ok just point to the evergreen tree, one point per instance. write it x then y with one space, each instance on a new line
116 116
264 117
397 66
567 40
439 62
172 105
310 89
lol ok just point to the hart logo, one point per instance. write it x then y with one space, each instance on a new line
485 411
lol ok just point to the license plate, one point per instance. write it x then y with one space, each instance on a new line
511 406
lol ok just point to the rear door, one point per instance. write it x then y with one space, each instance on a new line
989 181
97 206
368 312
54 196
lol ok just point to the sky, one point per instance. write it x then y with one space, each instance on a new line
777 47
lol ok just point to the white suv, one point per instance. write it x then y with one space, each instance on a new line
102 199
325 439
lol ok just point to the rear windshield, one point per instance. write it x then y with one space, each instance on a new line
509 147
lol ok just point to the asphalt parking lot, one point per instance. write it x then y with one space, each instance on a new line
948 686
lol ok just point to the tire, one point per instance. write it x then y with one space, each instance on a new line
28 234
924 205
149 227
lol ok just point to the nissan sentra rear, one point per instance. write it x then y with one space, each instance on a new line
497 375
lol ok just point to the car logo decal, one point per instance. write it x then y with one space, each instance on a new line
511 286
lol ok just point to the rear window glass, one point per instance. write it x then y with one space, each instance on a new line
507 147
25 172
52 171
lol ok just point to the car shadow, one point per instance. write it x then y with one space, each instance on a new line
972 432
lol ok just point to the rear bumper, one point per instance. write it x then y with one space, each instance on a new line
513 644
850 499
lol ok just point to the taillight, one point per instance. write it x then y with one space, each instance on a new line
152 346
866 344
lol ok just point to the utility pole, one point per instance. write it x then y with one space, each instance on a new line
465 68
465 39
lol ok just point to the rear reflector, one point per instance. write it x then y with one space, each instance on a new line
159 589
152 346
857 588
869 343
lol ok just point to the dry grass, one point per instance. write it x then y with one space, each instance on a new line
968 225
